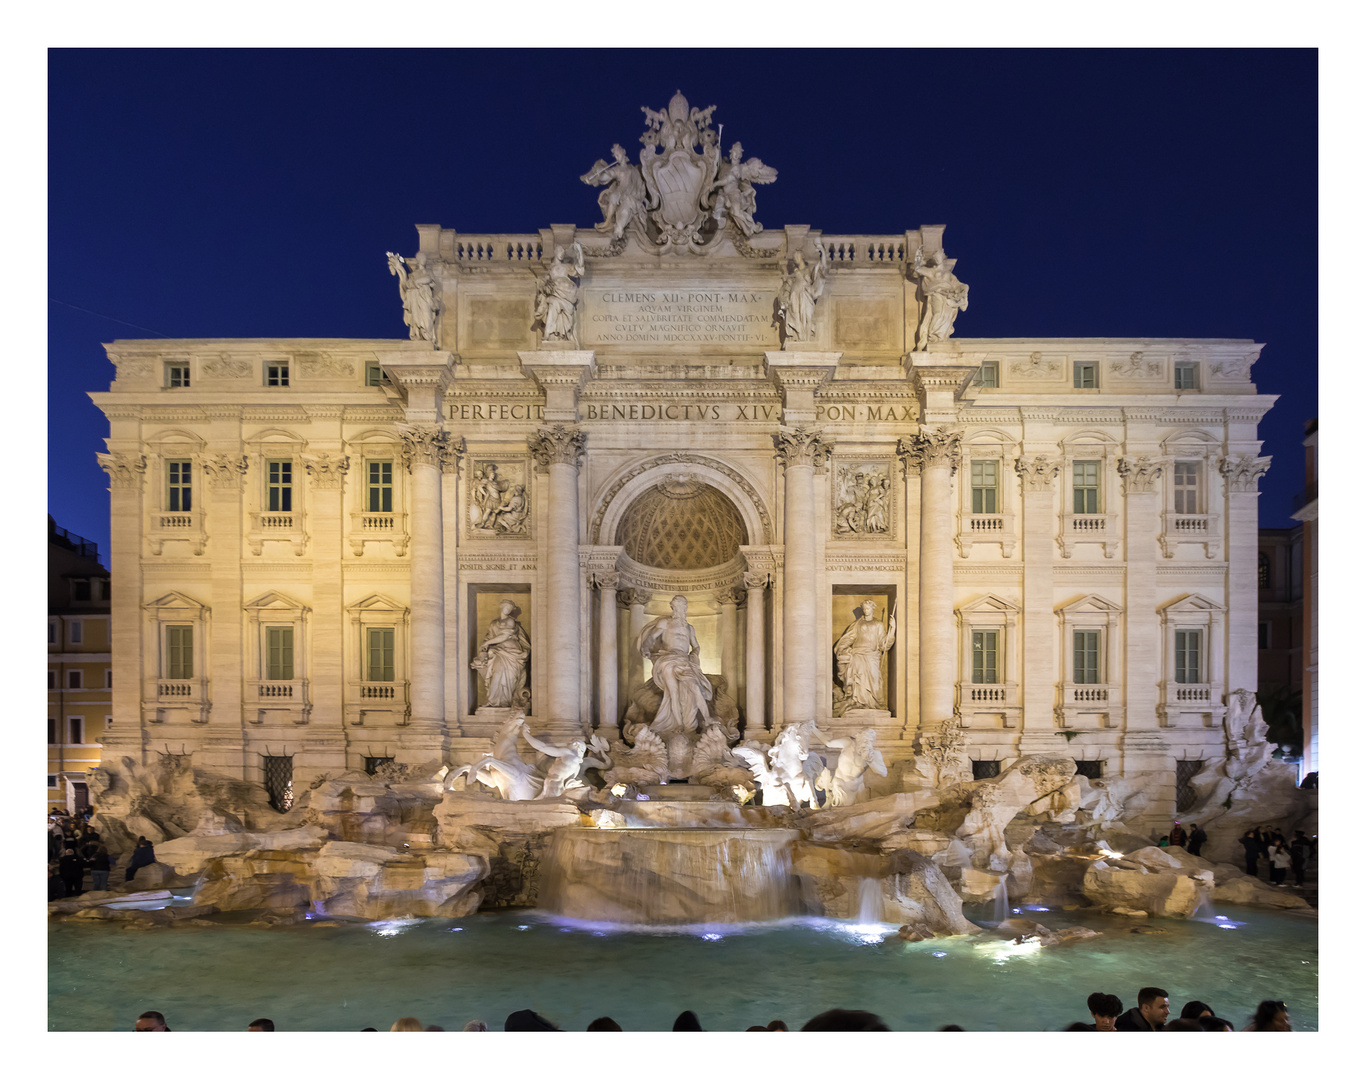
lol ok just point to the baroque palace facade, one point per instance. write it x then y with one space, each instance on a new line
311 538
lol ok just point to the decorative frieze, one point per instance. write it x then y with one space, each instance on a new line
1137 367
1138 474
1038 474
1242 473
225 471
930 447
326 471
324 366
476 561
125 470
558 445
225 367
498 494
864 504
801 446
889 562
1036 367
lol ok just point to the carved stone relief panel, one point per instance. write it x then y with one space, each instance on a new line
863 502
498 494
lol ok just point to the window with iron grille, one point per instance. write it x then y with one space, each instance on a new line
1186 486
985 485
279 486
178 486
379 487
985 770
1086 487
279 778
1092 770
372 764
1186 795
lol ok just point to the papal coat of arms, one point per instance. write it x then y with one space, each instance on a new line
683 194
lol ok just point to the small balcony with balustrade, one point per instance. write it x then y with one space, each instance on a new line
1200 529
1100 529
187 525
287 526
369 526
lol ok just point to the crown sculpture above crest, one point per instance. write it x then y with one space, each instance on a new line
683 195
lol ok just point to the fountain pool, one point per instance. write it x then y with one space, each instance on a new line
332 976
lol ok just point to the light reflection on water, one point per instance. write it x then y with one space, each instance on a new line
328 976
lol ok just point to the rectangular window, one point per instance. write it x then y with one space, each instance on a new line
280 653
177 375
1188 656
985 656
75 731
51 680
373 375
52 731
51 781
80 590
379 654
51 632
1085 656
1263 635
108 678
985 485
180 652
1092 770
178 486
73 680
990 374
1187 376
279 486
373 764
379 487
1086 487
277 374
1186 484
1084 375
75 631
985 770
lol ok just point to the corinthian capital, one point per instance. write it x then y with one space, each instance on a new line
125 471
225 471
451 453
423 446
1242 473
801 446
326 470
1138 474
932 447
1037 475
558 445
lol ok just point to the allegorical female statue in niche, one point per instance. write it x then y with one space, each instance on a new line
502 660
670 644
858 657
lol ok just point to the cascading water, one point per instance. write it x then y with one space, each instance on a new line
1001 911
670 876
869 901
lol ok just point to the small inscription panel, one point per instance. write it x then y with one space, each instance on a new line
711 316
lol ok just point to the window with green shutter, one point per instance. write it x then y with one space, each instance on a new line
1188 656
279 486
379 487
985 485
1086 487
985 654
280 653
178 486
1086 656
379 654
180 652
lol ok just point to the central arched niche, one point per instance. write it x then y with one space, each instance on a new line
681 523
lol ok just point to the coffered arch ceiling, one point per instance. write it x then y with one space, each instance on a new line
681 524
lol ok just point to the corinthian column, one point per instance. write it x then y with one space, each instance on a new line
1038 527
1138 476
755 584
935 453
559 451
424 447
1241 476
800 451
126 473
607 652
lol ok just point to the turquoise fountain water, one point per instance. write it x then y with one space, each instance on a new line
328 976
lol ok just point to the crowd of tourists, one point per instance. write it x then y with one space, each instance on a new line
1259 845
1107 1014
75 852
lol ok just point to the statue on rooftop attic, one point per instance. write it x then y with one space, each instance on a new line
942 297
801 288
417 287
623 200
734 187
558 295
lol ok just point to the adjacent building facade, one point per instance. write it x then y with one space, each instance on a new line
79 702
310 537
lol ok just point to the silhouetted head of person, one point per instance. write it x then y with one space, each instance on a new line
475 1025
845 1020
1183 1025
526 1020
407 1023
952 1027
261 1025
776 1025
151 1021
1079 1026
1214 1023
1271 1016
603 1023
687 1021
1193 1010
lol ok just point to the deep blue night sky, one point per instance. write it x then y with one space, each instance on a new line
1086 193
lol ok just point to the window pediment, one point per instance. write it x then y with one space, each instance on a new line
376 603
176 601
1089 605
275 601
1191 603
991 604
